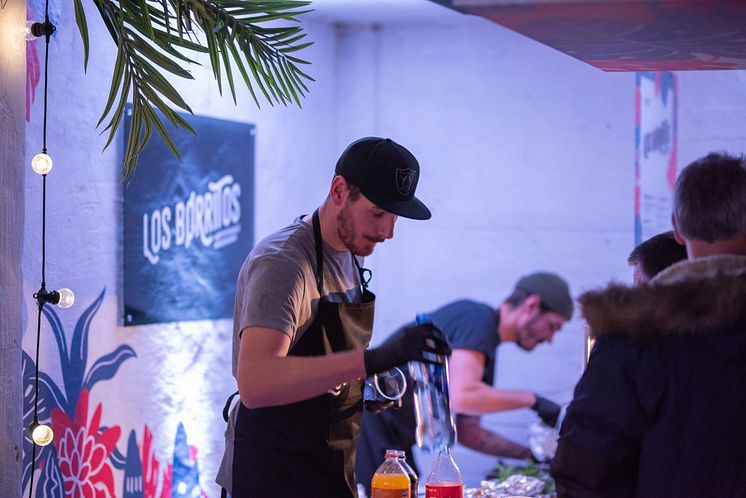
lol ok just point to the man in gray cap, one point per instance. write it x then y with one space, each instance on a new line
537 308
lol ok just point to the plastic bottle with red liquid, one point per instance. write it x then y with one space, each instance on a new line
390 479
444 478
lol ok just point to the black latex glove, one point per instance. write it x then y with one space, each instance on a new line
416 343
377 406
547 410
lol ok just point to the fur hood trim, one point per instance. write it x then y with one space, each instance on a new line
690 297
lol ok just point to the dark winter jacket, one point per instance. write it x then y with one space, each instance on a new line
661 409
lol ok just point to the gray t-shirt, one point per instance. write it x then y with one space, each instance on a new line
277 289
276 286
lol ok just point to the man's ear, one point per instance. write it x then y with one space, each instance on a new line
339 190
532 303
676 234
527 310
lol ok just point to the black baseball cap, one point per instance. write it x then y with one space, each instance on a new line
386 173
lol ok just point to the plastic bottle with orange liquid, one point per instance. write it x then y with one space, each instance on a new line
391 479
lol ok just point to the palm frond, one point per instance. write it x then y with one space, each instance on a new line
154 37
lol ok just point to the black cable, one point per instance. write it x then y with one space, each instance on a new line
47 35
48 30
36 398
43 233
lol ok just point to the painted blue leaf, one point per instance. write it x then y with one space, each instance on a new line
117 459
106 367
49 397
50 482
59 335
42 454
133 482
185 482
73 377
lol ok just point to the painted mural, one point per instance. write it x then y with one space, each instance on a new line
86 459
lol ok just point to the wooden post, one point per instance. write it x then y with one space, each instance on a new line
12 169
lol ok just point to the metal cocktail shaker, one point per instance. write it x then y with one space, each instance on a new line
435 426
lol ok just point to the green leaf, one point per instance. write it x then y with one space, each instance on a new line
80 20
162 131
119 112
151 77
172 116
288 16
214 58
296 60
158 58
116 82
227 66
146 17
253 66
242 70
287 50
290 84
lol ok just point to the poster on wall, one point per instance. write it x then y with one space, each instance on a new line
655 154
189 223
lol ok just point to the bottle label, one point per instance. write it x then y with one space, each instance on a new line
444 490
389 493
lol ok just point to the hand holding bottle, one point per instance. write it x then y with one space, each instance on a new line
424 343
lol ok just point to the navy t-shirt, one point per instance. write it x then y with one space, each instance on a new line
470 325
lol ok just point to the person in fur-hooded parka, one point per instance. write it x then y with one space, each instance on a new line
660 411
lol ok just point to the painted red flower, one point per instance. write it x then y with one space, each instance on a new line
33 67
84 453
150 470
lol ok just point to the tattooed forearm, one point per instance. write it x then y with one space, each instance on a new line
472 435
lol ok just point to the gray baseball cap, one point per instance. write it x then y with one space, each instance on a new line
552 289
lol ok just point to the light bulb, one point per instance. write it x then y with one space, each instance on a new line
67 298
41 434
41 164
30 31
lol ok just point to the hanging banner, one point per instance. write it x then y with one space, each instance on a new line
189 223
655 155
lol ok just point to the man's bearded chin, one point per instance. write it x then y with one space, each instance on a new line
348 233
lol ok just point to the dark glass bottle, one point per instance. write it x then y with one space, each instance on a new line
413 479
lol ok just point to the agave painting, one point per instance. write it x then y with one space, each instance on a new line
83 459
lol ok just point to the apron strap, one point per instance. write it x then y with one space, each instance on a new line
227 407
319 252
365 274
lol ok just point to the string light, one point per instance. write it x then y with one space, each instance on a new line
42 164
42 434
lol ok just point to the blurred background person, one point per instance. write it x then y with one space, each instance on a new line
654 255
658 410
538 307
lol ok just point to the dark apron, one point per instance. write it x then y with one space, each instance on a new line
308 448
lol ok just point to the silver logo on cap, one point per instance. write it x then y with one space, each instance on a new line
405 180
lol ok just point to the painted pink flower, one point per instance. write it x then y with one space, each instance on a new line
33 67
84 453
150 467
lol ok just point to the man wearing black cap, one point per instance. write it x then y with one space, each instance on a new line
538 307
302 322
